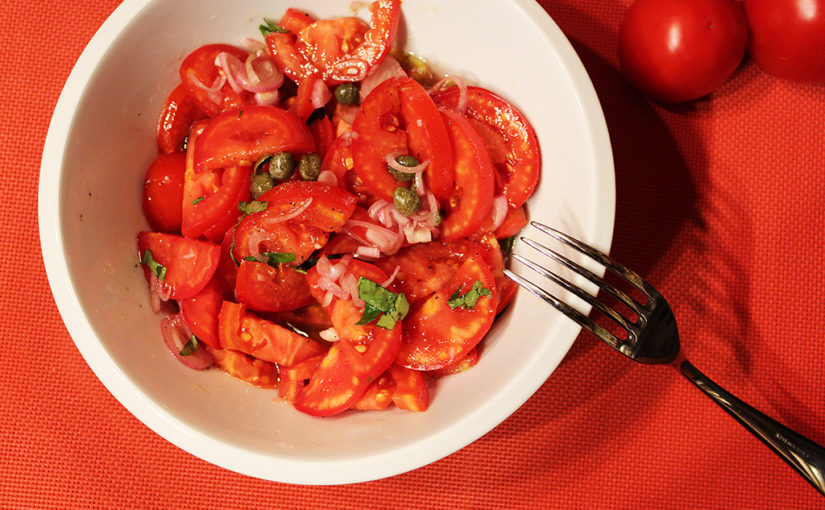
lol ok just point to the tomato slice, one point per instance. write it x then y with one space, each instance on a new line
311 317
465 363
189 263
264 288
326 40
310 89
199 74
294 20
244 136
361 355
398 117
210 199
378 395
411 392
245 332
295 377
163 192
178 114
323 135
518 172
246 368
339 161
227 272
515 220
436 335
472 197
201 312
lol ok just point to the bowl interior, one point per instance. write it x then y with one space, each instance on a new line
102 139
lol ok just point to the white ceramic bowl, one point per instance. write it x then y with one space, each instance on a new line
102 138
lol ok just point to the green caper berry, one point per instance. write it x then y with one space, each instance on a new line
347 93
309 168
261 183
405 160
281 166
406 200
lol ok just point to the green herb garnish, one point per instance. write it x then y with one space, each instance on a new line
190 347
197 200
379 303
273 258
469 299
252 207
269 27
158 270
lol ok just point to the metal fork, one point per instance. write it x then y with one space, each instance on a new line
652 338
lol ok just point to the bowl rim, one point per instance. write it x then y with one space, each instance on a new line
313 471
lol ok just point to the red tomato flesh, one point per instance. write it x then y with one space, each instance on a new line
189 263
163 192
201 312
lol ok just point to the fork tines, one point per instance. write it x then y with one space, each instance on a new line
630 326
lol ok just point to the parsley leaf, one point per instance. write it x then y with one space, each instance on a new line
269 27
252 207
469 299
190 347
197 200
158 270
382 304
273 258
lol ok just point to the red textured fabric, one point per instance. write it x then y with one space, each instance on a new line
719 204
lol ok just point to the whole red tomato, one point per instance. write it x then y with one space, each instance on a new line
788 37
679 50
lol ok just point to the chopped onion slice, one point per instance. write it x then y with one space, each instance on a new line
419 184
370 252
350 285
176 334
395 165
462 90
253 45
328 177
231 67
320 94
389 280
262 75
329 334
267 98
499 211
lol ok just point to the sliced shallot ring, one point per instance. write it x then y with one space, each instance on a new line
176 335
267 98
389 280
499 211
462 90
254 82
232 68
329 334
350 285
370 252
320 95
395 165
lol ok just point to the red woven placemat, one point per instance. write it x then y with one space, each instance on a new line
719 204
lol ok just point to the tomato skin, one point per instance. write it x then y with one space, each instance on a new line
411 392
378 395
465 363
713 37
472 197
294 20
264 288
179 112
189 263
245 332
510 140
436 335
244 136
321 130
163 192
199 66
201 312
254 371
293 377
788 38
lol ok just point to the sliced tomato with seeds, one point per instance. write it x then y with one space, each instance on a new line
246 135
437 335
264 288
379 394
189 263
245 332
326 40
246 368
163 192
201 77
201 312
398 117
360 356
518 173
411 391
472 197
178 114
340 162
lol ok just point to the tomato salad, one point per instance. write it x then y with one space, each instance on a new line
328 217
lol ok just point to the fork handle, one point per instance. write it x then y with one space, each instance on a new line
805 456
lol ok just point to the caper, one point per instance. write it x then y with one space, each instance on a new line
406 200
405 160
261 183
347 93
281 166
309 168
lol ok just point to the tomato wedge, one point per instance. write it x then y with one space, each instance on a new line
294 20
519 167
201 312
244 136
189 263
436 335
202 80
378 395
178 114
210 199
246 368
264 288
245 332
361 355
339 50
398 117
465 363
321 130
163 191
411 392
472 197
295 377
